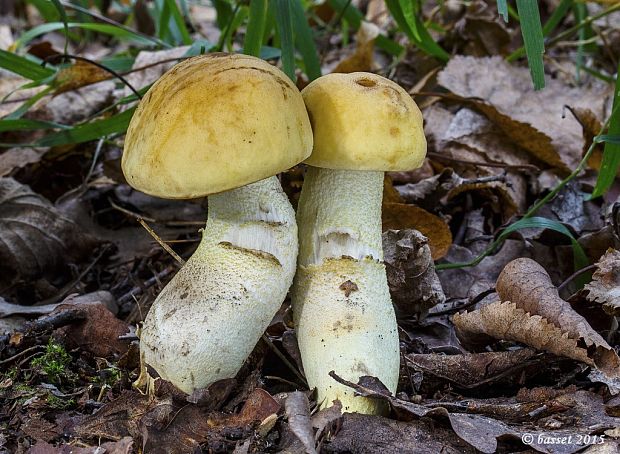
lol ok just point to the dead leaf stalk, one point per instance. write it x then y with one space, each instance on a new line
288 364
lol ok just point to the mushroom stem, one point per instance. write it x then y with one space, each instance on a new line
343 312
206 321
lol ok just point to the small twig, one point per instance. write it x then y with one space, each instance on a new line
55 321
129 212
362 390
574 275
151 65
471 302
67 289
16 356
402 355
153 220
113 22
98 65
439 156
280 379
224 36
147 284
288 364
583 23
167 248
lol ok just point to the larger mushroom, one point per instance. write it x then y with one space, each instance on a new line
363 125
219 125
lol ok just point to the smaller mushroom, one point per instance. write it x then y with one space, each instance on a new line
219 125
363 125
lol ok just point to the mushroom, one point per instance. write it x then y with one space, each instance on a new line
363 125
219 125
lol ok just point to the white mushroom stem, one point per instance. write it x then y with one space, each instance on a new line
206 321
344 317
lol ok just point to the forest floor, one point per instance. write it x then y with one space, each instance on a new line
503 271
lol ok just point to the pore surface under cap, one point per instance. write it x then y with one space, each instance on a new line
214 123
362 121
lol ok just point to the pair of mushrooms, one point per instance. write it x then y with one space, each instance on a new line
223 126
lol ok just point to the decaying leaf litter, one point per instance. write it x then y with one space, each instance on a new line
523 343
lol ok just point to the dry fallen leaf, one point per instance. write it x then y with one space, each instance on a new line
481 30
98 333
472 370
535 120
504 320
8 309
414 285
466 140
399 216
156 63
376 435
122 446
297 410
35 238
362 58
16 158
605 285
533 313
77 75
325 417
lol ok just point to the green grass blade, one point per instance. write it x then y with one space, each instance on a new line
409 14
64 20
86 132
579 256
106 29
558 14
46 9
502 9
23 66
224 13
199 47
21 110
179 21
305 41
284 25
410 23
608 138
531 29
162 13
581 12
354 17
611 153
270 53
256 28
28 125
580 260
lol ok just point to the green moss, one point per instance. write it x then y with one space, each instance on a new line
53 363
58 403
12 373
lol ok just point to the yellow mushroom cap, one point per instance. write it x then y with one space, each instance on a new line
213 123
362 121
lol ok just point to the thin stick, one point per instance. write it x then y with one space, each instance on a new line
133 214
440 157
583 23
575 274
146 285
14 357
116 24
167 248
471 302
280 355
